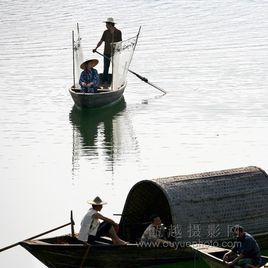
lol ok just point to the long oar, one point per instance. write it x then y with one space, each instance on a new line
144 79
33 237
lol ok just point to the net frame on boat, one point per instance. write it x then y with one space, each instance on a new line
122 55
121 58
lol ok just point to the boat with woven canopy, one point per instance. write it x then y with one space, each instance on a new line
201 207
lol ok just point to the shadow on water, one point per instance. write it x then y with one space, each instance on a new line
94 130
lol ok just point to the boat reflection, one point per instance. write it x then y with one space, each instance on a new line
95 131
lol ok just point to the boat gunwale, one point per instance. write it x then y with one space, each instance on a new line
97 93
210 254
210 257
39 243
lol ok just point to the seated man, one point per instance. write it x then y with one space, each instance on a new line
247 249
89 78
154 233
91 228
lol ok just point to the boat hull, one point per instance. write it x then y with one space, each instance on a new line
213 256
96 100
79 255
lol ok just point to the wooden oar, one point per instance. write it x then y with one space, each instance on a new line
144 79
33 237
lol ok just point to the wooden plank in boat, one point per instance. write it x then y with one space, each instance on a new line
207 248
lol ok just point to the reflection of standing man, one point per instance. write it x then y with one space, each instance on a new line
112 34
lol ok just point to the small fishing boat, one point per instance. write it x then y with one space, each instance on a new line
96 100
68 252
107 94
213 256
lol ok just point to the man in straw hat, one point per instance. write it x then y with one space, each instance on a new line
91 228
89 78
111 35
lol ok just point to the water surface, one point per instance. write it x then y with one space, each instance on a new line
211 58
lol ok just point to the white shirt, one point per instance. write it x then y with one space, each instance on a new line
151 233
89 225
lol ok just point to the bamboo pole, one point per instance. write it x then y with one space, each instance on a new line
33 237
72 224
73 60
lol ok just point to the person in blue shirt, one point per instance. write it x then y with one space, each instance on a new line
89 78
246 250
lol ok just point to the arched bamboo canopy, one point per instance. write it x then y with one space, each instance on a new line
200 206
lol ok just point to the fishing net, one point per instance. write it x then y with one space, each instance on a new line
122 56
78 56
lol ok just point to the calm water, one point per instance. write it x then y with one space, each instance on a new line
210 56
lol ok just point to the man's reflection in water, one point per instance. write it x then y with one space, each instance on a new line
94 130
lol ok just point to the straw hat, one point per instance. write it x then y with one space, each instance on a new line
110 20
93 63
96 201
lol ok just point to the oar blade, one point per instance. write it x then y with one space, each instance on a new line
159 88
144 79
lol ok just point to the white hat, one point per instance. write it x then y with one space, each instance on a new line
96 201
110 20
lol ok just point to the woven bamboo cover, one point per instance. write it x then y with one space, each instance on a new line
200 207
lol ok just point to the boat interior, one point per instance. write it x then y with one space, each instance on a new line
68 240
220 253
103 86
145 199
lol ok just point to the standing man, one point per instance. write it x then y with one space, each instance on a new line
111 35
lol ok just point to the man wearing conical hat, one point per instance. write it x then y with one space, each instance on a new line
111 35
89 78
91 227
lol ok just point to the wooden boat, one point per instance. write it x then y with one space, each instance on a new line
113 91
181 202
95 100
68 252
213 256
